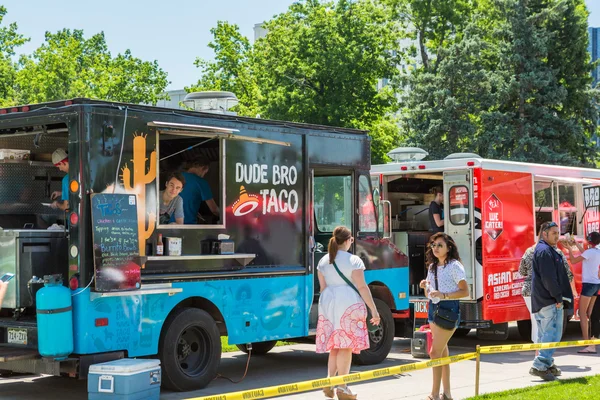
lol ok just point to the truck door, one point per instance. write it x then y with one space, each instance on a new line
458 220
332 205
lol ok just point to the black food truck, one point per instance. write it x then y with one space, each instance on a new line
110 277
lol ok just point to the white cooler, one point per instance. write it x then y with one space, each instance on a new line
126 379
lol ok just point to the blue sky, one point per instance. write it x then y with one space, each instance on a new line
173 32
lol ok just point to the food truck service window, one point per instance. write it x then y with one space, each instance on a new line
191 173
459 205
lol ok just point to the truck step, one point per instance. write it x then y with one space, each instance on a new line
16 353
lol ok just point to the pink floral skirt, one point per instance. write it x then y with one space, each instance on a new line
342 321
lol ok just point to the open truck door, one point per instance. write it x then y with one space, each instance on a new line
458 220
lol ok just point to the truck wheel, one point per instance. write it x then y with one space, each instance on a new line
258 349
381 340
189 350
524 328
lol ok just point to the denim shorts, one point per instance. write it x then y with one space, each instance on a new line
590 289
452 305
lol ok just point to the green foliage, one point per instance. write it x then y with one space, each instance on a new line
585 388
514 85
68 65
231 70
319 63
433 25
9 41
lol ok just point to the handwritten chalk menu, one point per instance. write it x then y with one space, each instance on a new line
116 246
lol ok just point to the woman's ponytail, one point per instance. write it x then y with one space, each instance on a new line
332 249
340 235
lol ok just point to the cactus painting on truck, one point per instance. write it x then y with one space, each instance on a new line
135 183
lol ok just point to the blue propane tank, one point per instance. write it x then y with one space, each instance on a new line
54 318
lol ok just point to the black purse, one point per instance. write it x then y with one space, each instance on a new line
444 318
370 326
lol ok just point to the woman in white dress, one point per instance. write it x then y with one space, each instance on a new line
342 327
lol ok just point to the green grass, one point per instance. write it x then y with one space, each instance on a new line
586 388
228 348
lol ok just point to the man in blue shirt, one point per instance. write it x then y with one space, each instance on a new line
196 190
61 198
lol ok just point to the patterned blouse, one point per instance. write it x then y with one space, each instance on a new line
527 263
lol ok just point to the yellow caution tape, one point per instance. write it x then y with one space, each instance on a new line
274 391
535 346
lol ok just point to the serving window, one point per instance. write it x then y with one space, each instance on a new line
198 153
198 162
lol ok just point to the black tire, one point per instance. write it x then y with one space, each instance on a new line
258 349
189 350
461 332
381 340
524 328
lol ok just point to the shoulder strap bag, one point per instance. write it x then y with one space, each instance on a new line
370 326
444 318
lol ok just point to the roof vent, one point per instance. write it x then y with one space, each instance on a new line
401 154
211 102
455 156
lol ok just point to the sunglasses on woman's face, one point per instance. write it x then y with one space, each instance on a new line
438 245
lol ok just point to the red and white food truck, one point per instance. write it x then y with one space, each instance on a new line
493 209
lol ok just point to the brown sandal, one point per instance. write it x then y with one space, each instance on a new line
444 397
328 391
345 394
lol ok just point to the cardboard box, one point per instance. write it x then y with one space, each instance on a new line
173 246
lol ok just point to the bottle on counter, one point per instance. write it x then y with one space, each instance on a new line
159 245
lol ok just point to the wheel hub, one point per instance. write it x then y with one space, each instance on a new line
376 336
184 349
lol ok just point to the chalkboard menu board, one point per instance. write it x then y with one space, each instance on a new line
116 242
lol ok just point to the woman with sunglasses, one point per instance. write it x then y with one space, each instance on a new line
342 327
446 282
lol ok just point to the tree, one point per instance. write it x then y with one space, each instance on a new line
502 90
442 109
529 124
232 69
68 65
321 62
434 25
9 41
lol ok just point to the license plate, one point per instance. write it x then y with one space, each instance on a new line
17 336
421 309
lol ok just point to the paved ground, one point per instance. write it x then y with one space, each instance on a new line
299 362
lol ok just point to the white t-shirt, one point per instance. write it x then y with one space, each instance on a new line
345 261
590 264
448 277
